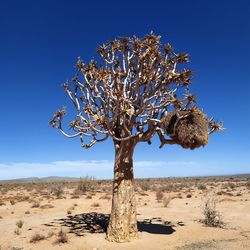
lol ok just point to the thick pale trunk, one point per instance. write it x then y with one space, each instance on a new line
123 224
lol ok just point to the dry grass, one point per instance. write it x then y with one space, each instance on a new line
74 196
36 204
201 186
212 217
84 185
159 195
166 201
95 204
17 231
69 211
37 237
12 202
248 184
2 203
57 189
19 223
46 206
145 186
61 237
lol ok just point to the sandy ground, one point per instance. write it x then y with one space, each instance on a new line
176 226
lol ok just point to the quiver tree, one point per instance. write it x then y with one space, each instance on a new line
139 89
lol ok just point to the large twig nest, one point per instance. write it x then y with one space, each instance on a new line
187 128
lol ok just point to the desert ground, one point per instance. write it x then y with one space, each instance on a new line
172 213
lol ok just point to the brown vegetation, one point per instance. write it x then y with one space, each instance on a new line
212 217
37 237
61 237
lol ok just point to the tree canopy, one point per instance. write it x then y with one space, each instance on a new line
129 94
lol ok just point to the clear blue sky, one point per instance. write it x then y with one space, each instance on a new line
39 44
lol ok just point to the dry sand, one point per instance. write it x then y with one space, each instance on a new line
176 226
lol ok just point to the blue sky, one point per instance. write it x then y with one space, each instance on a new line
39 44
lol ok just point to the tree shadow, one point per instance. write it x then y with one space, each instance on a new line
80 224
160 227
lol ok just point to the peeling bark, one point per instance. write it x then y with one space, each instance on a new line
123 224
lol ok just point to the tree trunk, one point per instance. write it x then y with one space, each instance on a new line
123 224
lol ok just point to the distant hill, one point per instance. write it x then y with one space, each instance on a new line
44 179
72 179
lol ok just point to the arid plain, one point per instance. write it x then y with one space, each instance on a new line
173 213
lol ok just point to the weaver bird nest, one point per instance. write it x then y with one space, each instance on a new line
187 128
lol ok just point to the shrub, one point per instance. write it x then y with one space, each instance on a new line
170 187
145 186
12 202
61 237
230 185
37 237
46 206
35 204
17 231
74 196
50 234
19 223
212 217
166 201
95 204
2 203
189 196
201 186
159 195
248 184
27 212
69 211
179 196
57 190
84 185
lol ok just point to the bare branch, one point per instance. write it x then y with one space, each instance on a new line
162 138
126 96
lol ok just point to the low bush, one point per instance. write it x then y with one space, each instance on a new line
19 223
57 190
166 201
84 185
95 204
201 186
62 237
212 217
12 202
159 195
17 231
37 237
35 204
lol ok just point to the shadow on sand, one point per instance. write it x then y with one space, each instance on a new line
81 224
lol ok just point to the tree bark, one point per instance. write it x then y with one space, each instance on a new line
123 224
